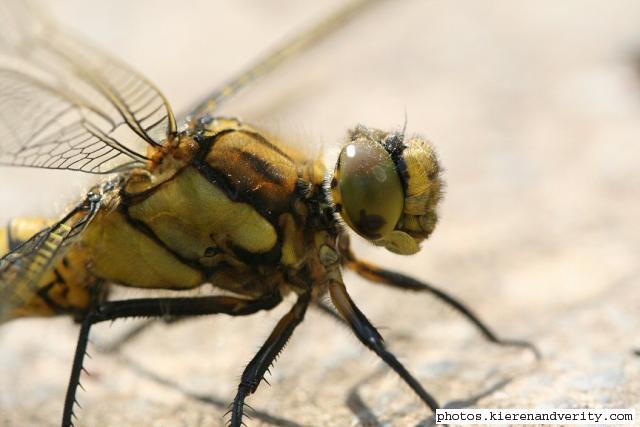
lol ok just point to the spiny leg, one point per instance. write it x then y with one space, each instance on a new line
371 338
134 332
394 279
117 344
353 399
254 372
154 307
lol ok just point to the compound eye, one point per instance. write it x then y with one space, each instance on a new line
369 189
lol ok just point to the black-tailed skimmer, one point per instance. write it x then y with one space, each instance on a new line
213 201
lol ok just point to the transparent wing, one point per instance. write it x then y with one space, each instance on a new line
65 104
22 269
43 127
287 50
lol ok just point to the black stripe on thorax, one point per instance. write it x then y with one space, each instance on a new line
259 202
262 167
251 259
264 141
143 228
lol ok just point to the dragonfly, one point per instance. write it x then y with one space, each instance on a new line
207 199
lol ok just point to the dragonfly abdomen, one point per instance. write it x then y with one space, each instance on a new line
65 288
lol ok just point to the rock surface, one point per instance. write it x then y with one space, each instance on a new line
534 108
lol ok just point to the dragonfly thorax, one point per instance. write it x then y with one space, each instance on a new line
228 206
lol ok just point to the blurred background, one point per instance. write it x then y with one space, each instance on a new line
534 108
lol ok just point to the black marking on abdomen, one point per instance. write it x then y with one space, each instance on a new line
43 293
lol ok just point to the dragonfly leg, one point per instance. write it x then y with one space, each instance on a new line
154 307
398 280
371 338
117 344
254 372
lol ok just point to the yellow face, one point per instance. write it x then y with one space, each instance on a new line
387 188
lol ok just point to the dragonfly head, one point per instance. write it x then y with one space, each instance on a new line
387 187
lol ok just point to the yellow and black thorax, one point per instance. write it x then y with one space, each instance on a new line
223 204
